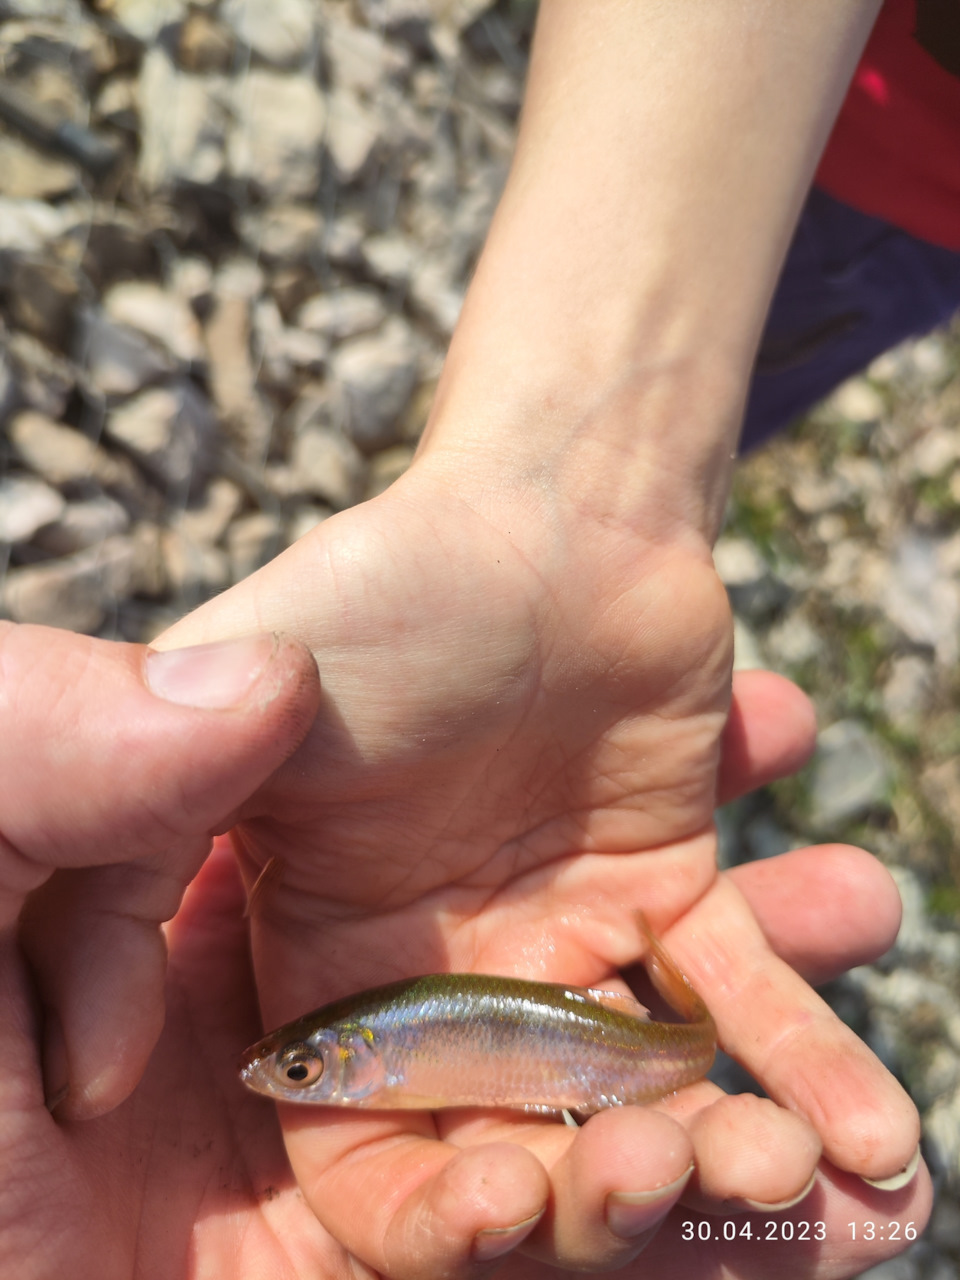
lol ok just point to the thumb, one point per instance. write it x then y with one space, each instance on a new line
116 766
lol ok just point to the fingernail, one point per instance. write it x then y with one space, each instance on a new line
211 676
763 1206
494 1242
630 1213
898 1180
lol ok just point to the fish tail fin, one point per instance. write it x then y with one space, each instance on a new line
668 979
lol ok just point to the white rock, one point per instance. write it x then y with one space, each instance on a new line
390 257
376 376
920 600
851 775
185 120
814 494
357 56
435 297
858 402
162 316
934 453
169 430
342 313
328 466
793 641
63 455
83 524
27 226
145 19
738 562
75 592
351 134
281 32
276 143
26 505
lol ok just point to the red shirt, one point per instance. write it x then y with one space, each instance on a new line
895 148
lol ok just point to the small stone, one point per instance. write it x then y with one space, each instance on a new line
289 233
252 542
328 466
856 401
144 19
342 313
76 592
851 776
814 494
185 120
357 56
754 591
233 380
83 524
281 32
351 135
192 280
170 431
908 692
9 391
118 105
28 174
390 258
28 226
917 597
26 505
158 314
388 466
149 573
934 454
64 456
376 376
793 641
117 359
276 142
343 241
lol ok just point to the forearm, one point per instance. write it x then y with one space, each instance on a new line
664 151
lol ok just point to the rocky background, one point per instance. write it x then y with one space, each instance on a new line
234 240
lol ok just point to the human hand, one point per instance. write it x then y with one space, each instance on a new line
517 748
188 1174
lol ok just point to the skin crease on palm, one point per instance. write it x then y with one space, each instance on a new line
188 1176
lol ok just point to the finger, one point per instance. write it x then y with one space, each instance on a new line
823 910
789 1040
407 1204
113 773
750 1153
770 733
613 1181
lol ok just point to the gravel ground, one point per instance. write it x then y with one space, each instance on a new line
228 274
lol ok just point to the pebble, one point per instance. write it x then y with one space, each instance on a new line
851 776
376 375
170 431
26 505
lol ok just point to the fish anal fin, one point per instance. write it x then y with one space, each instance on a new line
673 985
613 1000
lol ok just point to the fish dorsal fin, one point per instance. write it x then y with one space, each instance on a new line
612 1000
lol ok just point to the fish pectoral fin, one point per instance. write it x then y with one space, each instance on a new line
613 1000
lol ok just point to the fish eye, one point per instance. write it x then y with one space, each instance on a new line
301 1066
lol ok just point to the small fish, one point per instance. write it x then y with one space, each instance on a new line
469 1040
